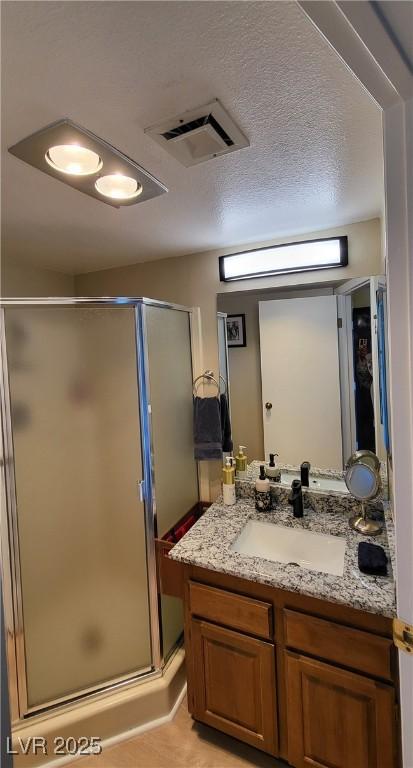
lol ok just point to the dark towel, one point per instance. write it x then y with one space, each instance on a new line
207 428
372 559
227 444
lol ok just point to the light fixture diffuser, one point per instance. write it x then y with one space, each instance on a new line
93 159
73 159
118 187
305 256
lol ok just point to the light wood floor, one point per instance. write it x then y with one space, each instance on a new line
179 744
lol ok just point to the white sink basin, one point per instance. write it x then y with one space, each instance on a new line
315 551
317 483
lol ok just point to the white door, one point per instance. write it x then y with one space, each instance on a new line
300 378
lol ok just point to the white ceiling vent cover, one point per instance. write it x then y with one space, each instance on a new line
199 134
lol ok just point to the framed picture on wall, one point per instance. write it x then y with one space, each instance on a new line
236 336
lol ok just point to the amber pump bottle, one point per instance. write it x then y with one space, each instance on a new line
241 463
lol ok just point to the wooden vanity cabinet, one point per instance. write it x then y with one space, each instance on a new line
170 574
312 682
233 686
231 664
337 718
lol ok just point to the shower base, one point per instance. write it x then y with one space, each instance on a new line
112 716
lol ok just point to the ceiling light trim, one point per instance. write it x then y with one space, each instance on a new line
33 149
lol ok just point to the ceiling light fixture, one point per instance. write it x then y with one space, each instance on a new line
118 187
89 164
73 159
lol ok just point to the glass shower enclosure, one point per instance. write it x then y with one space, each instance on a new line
97 460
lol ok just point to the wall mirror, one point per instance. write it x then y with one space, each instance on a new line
310 384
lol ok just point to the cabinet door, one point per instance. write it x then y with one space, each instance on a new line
233 684
337 718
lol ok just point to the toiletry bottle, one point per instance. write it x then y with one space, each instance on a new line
228 482
272 471
263 501
241 463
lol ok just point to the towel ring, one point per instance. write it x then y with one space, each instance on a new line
206 375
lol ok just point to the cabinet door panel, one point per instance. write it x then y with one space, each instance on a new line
337 719
233 684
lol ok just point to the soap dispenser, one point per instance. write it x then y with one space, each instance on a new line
263 501
241 463
271 470
228 482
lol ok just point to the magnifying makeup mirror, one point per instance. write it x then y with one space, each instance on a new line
363 480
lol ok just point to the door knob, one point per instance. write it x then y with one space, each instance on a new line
268 406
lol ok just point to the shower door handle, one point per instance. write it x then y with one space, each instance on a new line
141 494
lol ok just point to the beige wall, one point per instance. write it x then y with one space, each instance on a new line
193 280
18 280
361 297
245 376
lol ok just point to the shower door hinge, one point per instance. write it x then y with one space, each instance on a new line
403 635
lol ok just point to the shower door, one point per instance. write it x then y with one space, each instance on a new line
173 471
83 618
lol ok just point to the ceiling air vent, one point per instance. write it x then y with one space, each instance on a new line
199 134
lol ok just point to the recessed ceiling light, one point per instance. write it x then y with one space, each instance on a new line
85 162
118 187
73 159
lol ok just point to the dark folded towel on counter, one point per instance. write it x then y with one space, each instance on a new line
207 428
227 444
372 559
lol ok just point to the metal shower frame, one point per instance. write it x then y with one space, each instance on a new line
10 555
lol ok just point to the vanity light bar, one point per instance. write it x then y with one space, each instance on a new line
91 165
305 256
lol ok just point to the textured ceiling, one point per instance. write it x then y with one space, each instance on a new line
315 158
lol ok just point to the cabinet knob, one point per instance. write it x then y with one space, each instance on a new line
268 406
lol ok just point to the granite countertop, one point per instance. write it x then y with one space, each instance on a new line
208 545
